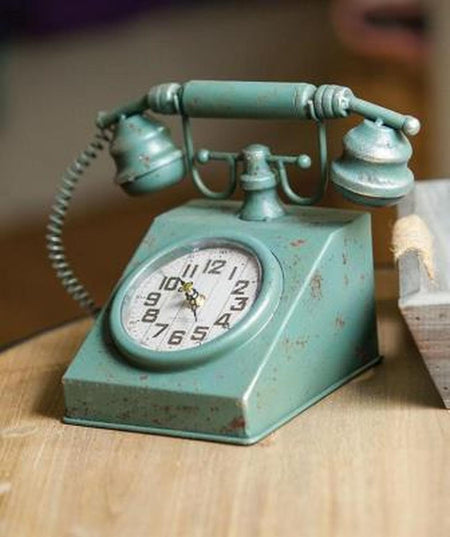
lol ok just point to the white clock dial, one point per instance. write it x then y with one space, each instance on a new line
221 282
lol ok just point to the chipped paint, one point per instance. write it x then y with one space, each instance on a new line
236 423
302 342
145 159
316 285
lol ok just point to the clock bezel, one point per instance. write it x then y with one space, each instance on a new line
245 328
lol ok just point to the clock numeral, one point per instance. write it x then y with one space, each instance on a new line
199 333
176 337
239 287
152 299
189 271
162 327
169 284
224 320
150 315
208 263
217 266
232 273
240 302
214 266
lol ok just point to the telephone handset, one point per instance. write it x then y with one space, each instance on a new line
233 317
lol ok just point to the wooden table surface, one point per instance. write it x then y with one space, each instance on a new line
372 459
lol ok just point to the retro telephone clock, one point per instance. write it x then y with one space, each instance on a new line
232 317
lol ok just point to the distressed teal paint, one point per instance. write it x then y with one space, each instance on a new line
259 100
242 99
373 168
313 325
146 158
320 334
372 171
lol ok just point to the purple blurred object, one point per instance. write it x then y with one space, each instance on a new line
38 17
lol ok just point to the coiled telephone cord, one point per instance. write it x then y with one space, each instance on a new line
57 217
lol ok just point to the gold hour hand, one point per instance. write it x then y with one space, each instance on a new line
193 298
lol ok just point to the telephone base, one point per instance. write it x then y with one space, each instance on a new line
322 333
195 435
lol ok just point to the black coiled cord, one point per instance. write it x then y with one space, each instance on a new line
55 245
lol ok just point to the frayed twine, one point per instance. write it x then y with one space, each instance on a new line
411 234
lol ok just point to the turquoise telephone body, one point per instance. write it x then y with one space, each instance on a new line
232 317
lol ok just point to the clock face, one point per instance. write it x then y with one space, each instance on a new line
193 298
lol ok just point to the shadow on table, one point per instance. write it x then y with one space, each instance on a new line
402 377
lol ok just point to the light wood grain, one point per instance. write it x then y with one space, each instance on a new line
372 459
425 303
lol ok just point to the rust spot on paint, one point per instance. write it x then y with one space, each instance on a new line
302 342
297 243
134 128
145 159
236 423
316 285
339 322
344 258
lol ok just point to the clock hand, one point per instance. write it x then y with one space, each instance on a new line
193 298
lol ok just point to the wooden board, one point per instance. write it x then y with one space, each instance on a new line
370 460
425 304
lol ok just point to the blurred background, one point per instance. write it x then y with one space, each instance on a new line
61 62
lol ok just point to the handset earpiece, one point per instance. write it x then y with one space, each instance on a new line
373 167
145 155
